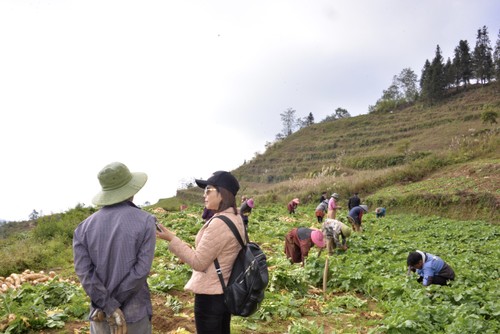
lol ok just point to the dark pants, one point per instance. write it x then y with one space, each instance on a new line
211 315
446 274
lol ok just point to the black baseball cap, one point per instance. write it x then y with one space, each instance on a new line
222 179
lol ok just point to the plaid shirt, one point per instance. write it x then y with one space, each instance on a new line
113 251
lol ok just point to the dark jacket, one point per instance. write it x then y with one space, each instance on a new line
245 211
353 201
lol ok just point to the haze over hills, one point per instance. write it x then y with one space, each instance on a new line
369 153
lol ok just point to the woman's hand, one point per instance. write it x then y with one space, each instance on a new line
165 233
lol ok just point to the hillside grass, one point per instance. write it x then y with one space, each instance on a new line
421 163
371 153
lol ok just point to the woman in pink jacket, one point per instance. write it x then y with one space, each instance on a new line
213 241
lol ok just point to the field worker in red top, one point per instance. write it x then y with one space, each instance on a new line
299 241
292 205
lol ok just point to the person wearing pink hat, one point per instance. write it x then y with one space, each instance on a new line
292 205
299 241
246 210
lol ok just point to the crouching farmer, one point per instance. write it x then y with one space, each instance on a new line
380 212
430 268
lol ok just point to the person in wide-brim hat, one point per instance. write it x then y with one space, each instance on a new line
116 240
334 230
299 241
118 184
355 216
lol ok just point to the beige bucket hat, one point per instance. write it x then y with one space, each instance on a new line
118 184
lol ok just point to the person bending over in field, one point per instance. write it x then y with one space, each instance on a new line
299 241
292 205
430 268
321 210
333 230
355 215
380 212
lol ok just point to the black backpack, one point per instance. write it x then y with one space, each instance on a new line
249 276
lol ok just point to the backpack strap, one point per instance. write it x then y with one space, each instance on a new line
233 229
237 235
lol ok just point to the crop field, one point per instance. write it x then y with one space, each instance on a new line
367 290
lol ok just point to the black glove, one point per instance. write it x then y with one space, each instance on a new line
420 279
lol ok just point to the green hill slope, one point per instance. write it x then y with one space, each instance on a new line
372 153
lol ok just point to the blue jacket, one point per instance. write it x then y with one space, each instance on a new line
432 266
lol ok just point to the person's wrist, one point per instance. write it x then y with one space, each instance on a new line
169 236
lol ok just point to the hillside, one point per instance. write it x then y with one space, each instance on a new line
446 165
369 153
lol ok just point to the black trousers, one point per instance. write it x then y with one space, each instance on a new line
211 315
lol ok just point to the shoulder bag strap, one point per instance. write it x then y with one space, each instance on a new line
236 233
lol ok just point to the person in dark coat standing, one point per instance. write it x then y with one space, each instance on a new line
246 210
299 241
353 201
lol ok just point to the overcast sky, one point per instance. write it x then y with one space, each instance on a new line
179 89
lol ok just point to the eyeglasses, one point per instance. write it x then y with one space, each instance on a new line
208 190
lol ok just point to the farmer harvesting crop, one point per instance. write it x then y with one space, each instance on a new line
380 212
246 209
333 206
430 268
292 205
355 215
299 241
321 210
333 230
213 241
113 252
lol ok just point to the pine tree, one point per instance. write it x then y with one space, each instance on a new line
496 58
462 61
449 74
434 82
483 60
425 71
310 119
